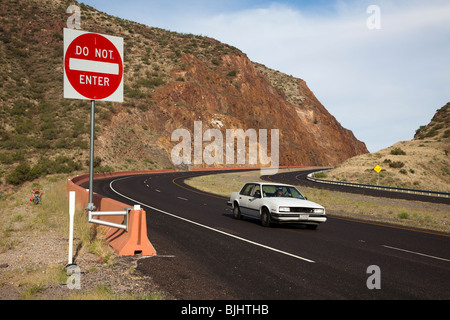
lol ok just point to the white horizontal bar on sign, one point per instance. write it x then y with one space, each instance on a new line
93 66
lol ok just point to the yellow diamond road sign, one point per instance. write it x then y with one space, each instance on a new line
377 169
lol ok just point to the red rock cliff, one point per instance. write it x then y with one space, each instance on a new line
234 94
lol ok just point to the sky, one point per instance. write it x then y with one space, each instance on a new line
381 68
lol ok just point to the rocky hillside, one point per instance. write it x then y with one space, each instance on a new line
421 163
171 80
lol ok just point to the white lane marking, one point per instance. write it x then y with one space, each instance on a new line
157 256
209 228
417 253
157 190
182 198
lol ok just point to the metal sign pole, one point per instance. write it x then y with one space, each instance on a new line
71 217
90 206
102 57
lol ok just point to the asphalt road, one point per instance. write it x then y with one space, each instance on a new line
299 178
205 254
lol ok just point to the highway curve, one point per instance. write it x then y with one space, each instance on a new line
299 178
205 254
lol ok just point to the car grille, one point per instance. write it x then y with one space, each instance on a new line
302 210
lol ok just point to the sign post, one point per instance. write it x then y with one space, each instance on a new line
71 217
90 206
93 70
377 170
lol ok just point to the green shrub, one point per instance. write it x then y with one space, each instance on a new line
6 158
403 215
150 83
398 151
320 175
102 169
24 172
50 134
397 164
447 133
79 128
20 174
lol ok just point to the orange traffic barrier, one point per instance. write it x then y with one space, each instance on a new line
131 242
135 241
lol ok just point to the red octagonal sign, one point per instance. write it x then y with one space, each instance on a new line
93 66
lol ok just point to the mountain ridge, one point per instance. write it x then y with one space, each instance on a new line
420 163
171 80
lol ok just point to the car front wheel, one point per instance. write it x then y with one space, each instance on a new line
237 212
265 218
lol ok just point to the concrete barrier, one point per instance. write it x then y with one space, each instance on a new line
125 243
135 241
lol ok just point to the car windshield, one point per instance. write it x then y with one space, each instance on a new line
281 191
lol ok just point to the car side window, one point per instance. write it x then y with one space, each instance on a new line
257 191
247 189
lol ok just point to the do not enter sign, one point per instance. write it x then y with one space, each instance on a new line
93 66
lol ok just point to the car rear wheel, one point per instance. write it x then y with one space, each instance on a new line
237 212
265 218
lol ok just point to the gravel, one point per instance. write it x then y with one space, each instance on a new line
27 265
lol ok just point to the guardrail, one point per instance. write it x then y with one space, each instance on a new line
124 213
377 187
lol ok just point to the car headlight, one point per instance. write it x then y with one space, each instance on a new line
284 209
319 211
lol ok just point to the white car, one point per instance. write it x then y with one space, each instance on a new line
276 203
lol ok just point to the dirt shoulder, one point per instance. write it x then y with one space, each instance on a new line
34 248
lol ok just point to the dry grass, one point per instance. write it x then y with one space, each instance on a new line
421 163
426 166
429 216
34 250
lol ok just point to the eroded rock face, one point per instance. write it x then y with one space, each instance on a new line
234 94
171 80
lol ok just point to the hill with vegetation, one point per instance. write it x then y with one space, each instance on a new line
170 81
421 163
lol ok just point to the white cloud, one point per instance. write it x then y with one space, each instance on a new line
382 84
